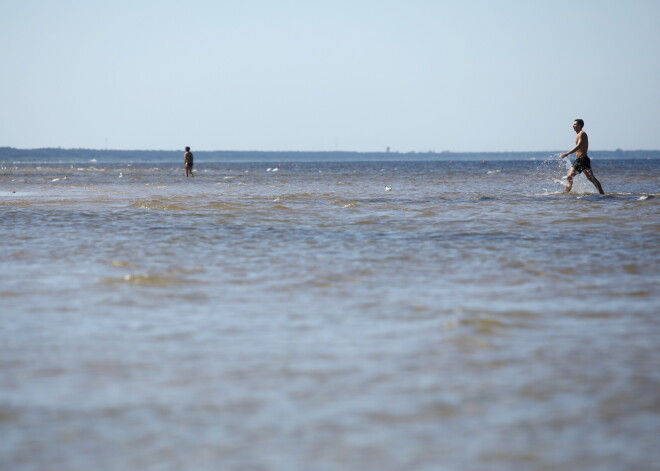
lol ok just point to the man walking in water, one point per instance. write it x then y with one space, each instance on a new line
582 161
188 162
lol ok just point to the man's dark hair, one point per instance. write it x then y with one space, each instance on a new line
188 148
580 122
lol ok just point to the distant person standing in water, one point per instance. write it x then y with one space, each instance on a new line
582 161
188 162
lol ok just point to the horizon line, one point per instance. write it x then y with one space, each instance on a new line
318 151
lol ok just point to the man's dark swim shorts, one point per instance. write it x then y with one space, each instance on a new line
582 163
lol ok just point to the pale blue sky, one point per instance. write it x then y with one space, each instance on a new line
362 75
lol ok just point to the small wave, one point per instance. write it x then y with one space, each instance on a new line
164 207
120 264
159 204
482 198
162 281
227 206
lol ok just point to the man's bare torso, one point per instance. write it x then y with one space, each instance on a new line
583 141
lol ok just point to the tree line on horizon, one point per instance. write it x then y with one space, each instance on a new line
11 153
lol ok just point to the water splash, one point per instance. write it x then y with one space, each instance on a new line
548 175
552 175
580 183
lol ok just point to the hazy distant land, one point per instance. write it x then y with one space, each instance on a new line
10 154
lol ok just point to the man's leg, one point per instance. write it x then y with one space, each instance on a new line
569 179
590 176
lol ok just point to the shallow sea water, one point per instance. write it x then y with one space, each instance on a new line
470 317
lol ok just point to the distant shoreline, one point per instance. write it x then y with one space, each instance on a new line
10 154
